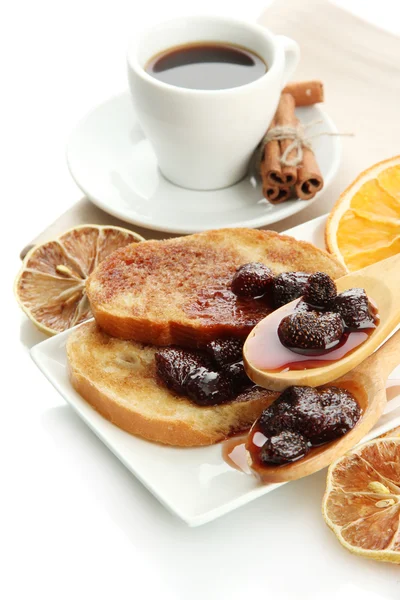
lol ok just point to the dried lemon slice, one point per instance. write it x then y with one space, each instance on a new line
364 225
50 286
362 499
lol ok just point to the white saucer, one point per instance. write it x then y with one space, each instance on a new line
115 166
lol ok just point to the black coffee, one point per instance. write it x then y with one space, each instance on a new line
206 66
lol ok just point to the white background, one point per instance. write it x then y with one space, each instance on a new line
74 522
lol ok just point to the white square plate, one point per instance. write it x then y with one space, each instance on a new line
194 483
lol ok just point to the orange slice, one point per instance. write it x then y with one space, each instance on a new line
362 499
364 225
50 286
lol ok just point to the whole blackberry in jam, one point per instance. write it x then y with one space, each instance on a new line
285 447
320 290
237 376
311 332
341 412
252 280
305 410
290 412
224 352
294 394
275 422
174 364
208 388
354 308
288 287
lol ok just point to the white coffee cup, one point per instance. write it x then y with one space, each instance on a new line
204 139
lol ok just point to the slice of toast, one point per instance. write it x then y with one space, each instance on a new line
118 378
177 291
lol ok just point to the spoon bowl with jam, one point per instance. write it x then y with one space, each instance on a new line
320 337
306 428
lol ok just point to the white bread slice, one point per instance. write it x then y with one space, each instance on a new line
177 291
118 379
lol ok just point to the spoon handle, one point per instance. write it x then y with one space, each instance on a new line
389 354
386 271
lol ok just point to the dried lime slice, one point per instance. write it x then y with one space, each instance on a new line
50 286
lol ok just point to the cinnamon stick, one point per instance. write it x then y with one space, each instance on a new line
281 181
285 116
275 194
271 168
273 174
309 178
305 92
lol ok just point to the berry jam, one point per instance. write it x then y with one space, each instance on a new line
301 418
234 451
252 280
264 349
206 377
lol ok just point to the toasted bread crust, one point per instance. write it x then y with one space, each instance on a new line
118 379
177 291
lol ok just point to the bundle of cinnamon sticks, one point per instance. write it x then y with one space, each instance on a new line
282 178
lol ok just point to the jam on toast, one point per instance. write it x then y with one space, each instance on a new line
118 378
178 291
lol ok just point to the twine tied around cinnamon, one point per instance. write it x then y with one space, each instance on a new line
285 159
299 141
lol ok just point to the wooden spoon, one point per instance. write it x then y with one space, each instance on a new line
382 284
367 383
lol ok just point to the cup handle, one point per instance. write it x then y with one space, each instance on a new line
292 56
